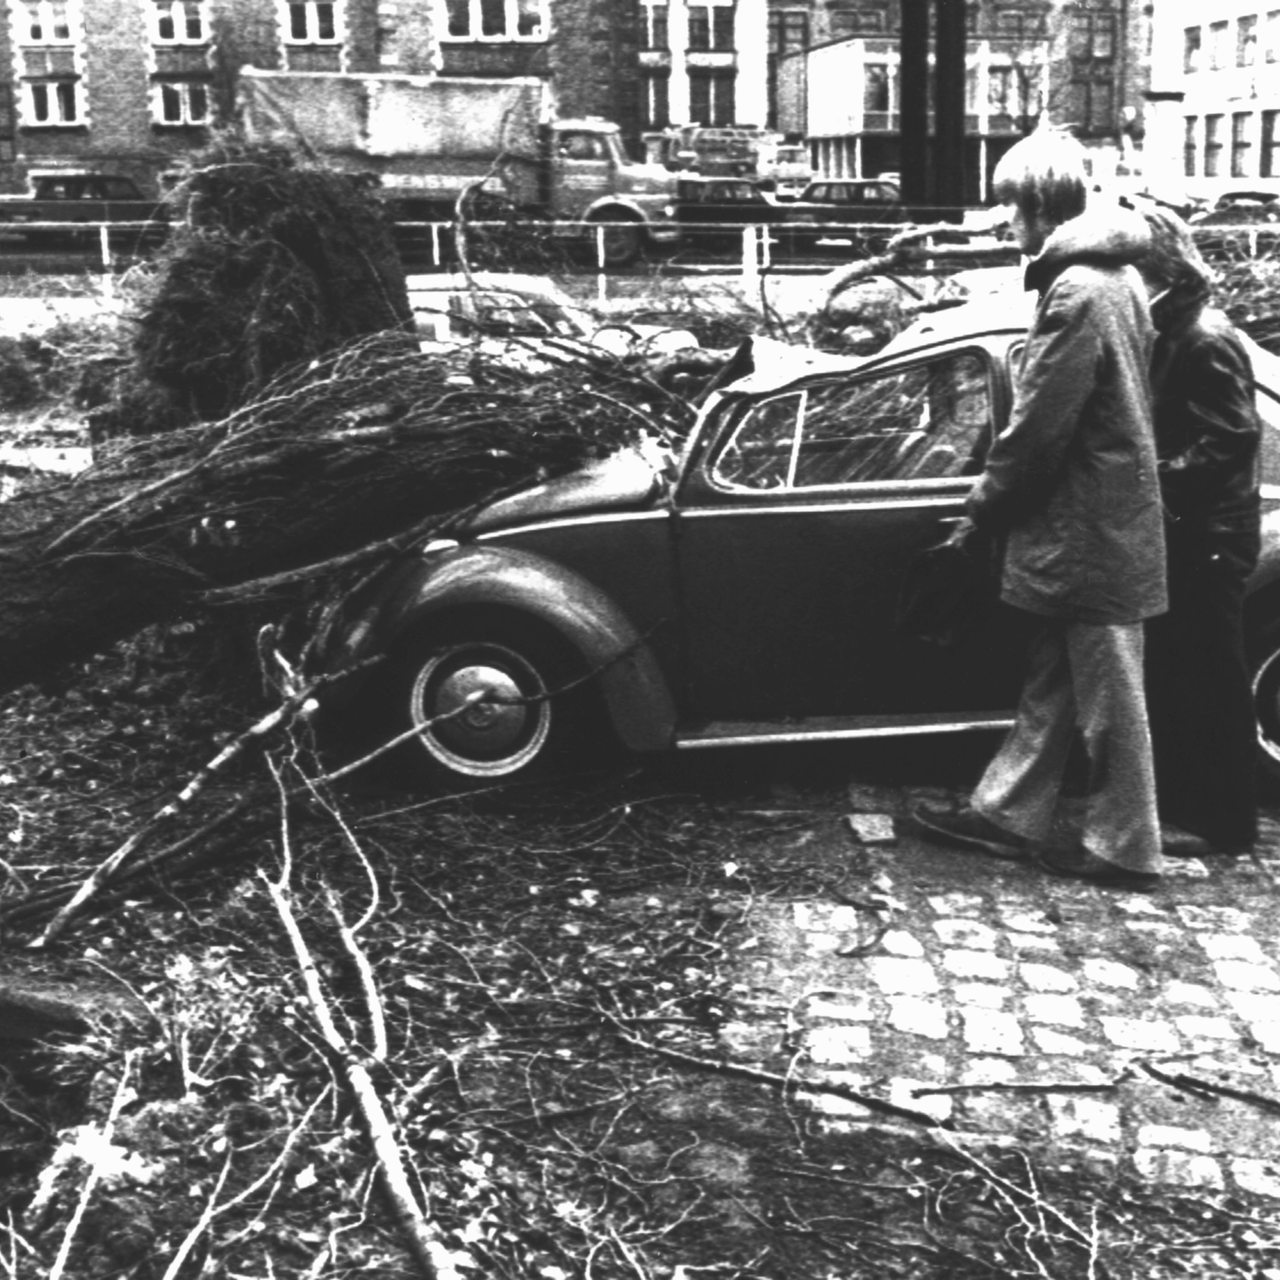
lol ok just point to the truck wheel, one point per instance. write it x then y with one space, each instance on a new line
490 699
622 241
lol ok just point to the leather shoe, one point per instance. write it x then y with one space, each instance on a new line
1177 843
1080 864
966 828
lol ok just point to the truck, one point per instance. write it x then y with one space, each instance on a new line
68 209
777 164
427 139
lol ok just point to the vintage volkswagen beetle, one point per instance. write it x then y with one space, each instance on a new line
746 591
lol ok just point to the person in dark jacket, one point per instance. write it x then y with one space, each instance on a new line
1207 440
1070 485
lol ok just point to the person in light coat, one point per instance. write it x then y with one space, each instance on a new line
1071 487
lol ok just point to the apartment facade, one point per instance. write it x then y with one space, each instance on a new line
1214 101
1082 65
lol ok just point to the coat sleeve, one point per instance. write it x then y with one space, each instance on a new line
1221 427
1058 373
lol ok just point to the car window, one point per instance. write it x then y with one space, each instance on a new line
118 189
582 146
508 314
923 422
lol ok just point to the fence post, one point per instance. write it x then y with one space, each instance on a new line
750 258
104 248
435 244
602 281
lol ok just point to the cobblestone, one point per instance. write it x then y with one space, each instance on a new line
1118 1031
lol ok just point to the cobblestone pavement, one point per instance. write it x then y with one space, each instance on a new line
1110 1029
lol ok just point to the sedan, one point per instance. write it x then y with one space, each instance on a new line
746 590
837 209
713 211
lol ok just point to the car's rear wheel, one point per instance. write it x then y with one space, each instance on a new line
489 700
1265 668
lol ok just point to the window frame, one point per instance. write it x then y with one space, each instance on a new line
1213 144
183 88
976 445
30 13
1192 49
512 11
1241 143
57 89
311 10
158 15
712 20
1246 40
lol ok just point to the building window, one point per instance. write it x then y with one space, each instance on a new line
1095 106
1218 45
45 22
1191 49
1271 36
711 24
1190 151
655 25
788 31
1212 146
180 102
711 97
498 19
1020 24
311 23
858 22
52 102
1093 36
1240 144
1246 40
1269 157
876 88
178 22
657 102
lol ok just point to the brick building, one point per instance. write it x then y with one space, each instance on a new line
128 85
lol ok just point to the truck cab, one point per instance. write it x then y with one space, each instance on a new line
593 180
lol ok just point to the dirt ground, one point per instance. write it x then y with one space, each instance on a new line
534 991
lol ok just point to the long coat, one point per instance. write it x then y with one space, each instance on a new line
1071 482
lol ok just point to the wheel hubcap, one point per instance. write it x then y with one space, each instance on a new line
481 711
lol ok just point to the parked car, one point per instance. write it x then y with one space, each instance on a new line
743 592
713 211
1240 208
524 319
837 209
70 199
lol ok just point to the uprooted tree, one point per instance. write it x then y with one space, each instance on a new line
278 423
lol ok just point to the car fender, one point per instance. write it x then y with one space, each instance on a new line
637 698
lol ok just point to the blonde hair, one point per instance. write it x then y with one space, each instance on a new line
1044 175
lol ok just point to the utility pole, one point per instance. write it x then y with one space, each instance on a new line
948 133
933 172
913 102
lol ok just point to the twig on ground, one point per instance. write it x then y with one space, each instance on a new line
123 1091
739 1072
435 1261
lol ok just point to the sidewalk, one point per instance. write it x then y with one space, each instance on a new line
1118 1031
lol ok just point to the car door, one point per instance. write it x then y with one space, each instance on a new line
795 532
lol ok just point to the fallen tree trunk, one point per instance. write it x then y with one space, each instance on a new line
353 451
